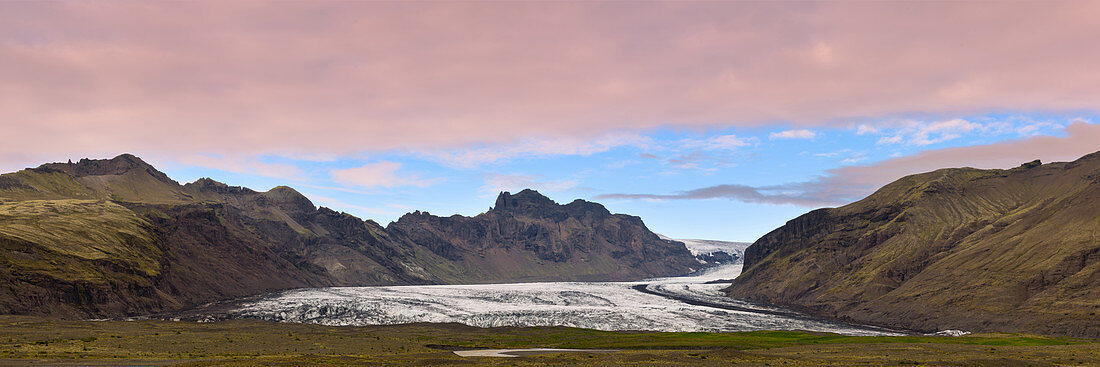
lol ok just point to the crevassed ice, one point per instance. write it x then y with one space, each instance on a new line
594 305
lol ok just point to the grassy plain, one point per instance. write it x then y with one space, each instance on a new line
40 341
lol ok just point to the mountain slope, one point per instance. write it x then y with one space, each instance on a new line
981 250
118 237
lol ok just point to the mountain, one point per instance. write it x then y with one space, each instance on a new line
528 237
116 237
713 252
981 250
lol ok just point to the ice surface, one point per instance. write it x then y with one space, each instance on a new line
594 305
698 247
949 332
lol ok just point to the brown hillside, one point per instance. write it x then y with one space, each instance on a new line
979 250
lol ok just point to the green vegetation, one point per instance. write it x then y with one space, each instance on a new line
73 239
558 337
84 229
27 340
37 185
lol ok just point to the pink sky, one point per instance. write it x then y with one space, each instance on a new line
322 79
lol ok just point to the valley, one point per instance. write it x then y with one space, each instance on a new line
117 240
610 306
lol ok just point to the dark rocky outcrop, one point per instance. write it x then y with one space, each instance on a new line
982 250
119 165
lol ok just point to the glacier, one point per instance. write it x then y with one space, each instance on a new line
648 305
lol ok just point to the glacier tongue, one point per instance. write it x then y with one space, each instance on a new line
593 305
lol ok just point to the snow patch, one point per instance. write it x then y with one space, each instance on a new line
704 249
949 332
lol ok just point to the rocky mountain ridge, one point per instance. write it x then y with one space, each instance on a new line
581 236
117 237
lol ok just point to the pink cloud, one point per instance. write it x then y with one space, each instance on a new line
720 142
1080 139
379 174
527 148
240 164
304 78
924 133
495 183
846 184
794 134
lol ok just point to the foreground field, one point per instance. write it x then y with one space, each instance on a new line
38 341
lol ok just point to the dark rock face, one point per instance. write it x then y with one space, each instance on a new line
211 254
982 250
120 238
529 228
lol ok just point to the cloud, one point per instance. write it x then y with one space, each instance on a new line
534 148
890 139
833 153
855 158
495 183
865 129
706 154
322 79
693 160
920 133
379 174
793 134
941 131
748 194
846 184
1034 128
241 164
339 204
720 142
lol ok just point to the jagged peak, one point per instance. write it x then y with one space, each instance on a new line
523 199
207 181
207 184
413 217
122 161
1032 164
212 185
119 165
